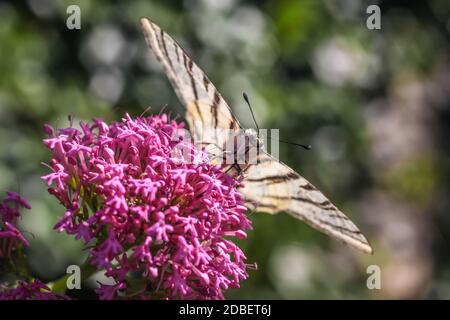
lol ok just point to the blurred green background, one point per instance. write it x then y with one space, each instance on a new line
374 104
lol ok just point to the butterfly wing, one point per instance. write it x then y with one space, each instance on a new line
208 115
272 186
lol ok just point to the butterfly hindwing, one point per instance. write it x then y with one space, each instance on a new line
271 186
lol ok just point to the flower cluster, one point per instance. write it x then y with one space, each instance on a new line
35 290
157 221
11 256
11 238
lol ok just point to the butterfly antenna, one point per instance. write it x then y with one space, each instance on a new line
251 110
304 146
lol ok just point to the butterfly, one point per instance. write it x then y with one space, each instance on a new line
268 185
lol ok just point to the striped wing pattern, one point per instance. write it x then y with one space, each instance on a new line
270 185
207 113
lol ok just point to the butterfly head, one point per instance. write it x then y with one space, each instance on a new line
254 140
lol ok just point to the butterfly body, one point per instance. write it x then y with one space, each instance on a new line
268 184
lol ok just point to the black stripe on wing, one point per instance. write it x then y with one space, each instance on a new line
278 178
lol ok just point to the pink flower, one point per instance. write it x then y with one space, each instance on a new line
35 290
147 210
13 197
11 237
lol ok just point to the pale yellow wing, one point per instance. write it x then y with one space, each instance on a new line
272 187
208 115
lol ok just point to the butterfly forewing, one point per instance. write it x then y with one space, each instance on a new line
269 185
208 115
